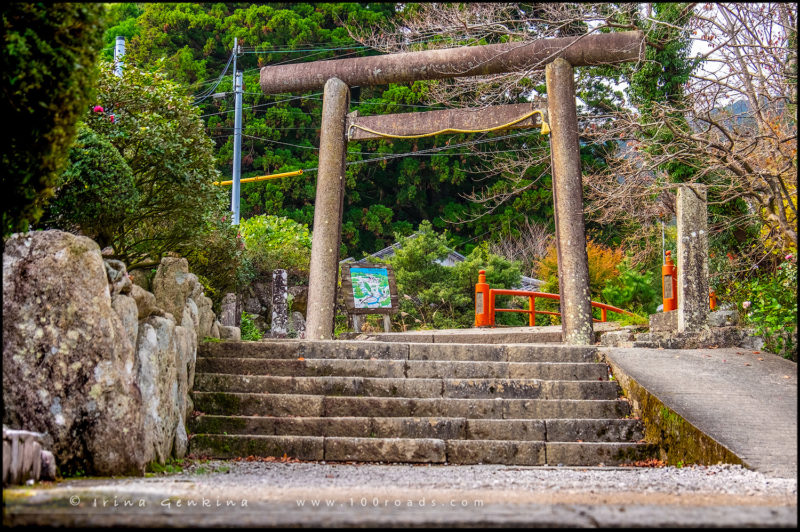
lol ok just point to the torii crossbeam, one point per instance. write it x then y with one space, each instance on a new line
557 56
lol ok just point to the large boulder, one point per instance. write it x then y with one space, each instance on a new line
145 302
172 284
157 375
118 279
140 278
128 312
230 333
191 315
67 357
186 358
206 317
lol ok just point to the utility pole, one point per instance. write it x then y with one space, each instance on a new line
119 52
237 137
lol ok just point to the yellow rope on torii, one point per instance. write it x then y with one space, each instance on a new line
545 128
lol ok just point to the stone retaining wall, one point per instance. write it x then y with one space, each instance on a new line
97 364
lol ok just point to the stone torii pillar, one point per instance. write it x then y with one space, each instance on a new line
573 260
328 207
337 75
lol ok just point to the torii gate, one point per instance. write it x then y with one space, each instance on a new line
558 56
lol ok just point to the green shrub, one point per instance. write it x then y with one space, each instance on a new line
218 260
435 296
248 328
632 291
48 77
768 303
163 140
273 242
140 180
96 193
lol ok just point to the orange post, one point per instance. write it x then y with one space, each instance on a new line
532 316
483 315
712 300
669 284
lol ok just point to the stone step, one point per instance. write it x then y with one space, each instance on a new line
407 387
355 350
258 404
455 369
499 335
418 450
444 428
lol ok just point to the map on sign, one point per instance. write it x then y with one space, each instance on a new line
371 287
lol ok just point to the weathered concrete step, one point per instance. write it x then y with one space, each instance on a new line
500 335
598 453
353 350
555 371
444 428
311 367
294 349
450 369
420 450
254 404
407 387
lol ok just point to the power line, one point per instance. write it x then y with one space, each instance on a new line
279 142
278 128
431 150
354 102
210 91
265 104
291 51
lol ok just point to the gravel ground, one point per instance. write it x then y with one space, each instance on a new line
719 479
269 494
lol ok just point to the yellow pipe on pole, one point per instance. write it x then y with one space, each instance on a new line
261 177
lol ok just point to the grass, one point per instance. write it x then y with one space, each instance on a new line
170 467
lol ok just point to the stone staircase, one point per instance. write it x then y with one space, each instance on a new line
524 404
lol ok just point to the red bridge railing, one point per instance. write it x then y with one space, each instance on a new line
485 308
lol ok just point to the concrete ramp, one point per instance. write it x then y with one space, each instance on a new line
744 400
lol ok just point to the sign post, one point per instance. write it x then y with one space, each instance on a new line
369 289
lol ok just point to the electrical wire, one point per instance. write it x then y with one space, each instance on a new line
283 143
291 51
430 150
264 104
355 102
210 91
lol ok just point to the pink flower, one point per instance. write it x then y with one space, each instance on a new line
223 218
789 256
745 304
111 118
98 109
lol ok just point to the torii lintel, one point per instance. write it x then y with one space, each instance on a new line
583 50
